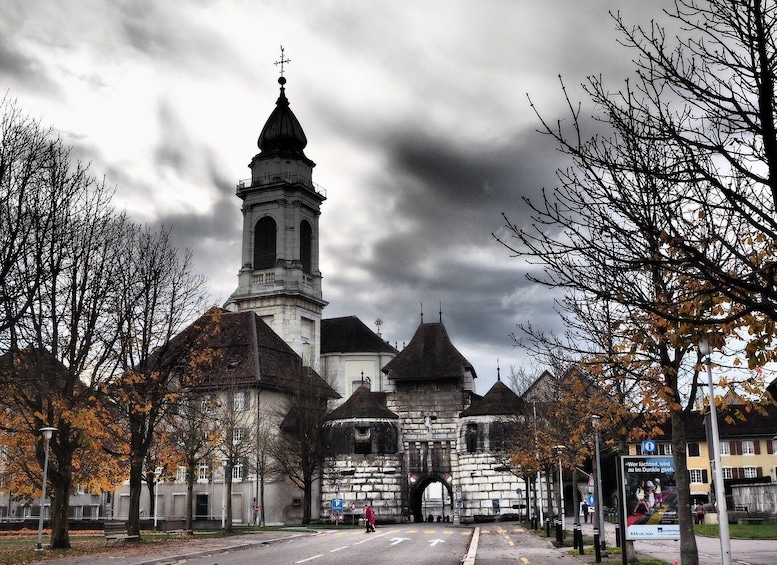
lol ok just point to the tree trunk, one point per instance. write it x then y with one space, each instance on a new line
575 494
550 494
60 536
136 485
228 486
689 553
151 486
307 500
189 495
261 501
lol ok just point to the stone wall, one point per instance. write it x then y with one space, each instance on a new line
428 411
481 484
757 498
359 479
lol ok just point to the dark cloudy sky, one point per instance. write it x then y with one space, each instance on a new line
416 114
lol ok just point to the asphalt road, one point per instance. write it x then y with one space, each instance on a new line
420 544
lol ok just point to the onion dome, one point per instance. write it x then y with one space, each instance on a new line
282 133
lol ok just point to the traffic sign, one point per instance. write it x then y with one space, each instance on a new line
337 505
590 500
648 446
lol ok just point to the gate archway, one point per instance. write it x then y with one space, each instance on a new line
416 499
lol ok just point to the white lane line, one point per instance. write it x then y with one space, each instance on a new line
338 549
371 538
310 558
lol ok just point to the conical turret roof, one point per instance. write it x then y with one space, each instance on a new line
363 404
429 356
498 401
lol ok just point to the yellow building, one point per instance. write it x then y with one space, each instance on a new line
748 448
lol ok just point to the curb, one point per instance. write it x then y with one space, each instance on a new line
473 548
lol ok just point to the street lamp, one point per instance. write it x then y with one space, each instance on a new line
720 493
47 433
559 450
595 420
157 473
224 462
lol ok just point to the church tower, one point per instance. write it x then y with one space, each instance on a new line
280 278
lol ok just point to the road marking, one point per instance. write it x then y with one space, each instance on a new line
510 543
339 549
447 532
436 541
466 533
395 541
428 531
368 538
525 560
412 531
310 558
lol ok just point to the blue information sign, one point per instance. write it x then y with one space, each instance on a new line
337 505
648 446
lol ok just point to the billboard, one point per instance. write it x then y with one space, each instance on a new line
649 497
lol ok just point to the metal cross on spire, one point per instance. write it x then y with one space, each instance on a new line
283 61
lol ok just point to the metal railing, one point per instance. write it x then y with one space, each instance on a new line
270 179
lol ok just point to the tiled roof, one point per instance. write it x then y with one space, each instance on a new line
350 335
498 401
245 351
430 355
363 404
734 422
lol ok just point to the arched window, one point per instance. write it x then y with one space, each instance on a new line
264 243
306 246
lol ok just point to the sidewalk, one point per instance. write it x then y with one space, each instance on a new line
752 552
130 554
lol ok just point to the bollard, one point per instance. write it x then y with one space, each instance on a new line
559 537
617 535
597 548
578 538
547 527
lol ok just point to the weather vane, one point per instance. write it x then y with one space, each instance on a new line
282 61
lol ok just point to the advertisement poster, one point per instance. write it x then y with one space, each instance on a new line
650 497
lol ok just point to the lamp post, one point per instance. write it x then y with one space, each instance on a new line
559 450
224 462
720 493
157 473
47 433
595 420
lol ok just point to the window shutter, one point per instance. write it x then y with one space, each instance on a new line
736 447
704 476
759 472
769 446
757 447
735 473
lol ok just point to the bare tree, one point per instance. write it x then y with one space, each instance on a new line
264 467
192 435
62 311
26 211
235 421
670 214
300 448
157 295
